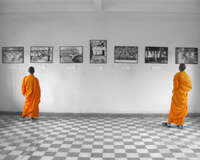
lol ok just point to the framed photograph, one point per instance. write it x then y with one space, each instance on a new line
126 54
12 54
71 54
186 55
98 51
41 54
157 55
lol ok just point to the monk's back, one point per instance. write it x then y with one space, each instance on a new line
32 88
185 84
31 91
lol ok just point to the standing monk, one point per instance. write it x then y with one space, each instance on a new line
31 91
179 104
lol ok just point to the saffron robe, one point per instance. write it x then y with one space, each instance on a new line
31 91
179 104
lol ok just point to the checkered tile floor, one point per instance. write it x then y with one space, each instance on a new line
98 138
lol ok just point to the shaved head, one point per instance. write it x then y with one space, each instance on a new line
31 70
182 67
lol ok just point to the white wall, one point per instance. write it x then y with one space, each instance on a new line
102 88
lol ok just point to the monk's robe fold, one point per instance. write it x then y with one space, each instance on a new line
179 104
31 91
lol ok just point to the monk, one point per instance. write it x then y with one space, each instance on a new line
31 92
179 104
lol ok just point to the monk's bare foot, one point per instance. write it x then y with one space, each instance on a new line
180 126
166 124
33 119
21 119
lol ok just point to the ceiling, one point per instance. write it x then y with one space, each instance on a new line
146 6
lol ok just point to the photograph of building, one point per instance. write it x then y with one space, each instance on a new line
126 54
186 55
71 54
41 54
13 54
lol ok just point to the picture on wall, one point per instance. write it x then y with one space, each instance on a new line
126 54
71 54
41 54
12 54
186 55
157 55
98 51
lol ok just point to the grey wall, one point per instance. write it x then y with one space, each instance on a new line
104 88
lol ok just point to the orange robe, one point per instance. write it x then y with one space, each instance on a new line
31 91
179 104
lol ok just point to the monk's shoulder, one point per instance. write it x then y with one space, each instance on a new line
183 74
25 77
186 75
36 79
177 75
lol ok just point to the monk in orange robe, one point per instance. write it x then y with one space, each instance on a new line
31 92
179 104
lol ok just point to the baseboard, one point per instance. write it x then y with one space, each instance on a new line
100 114
10 113
193 115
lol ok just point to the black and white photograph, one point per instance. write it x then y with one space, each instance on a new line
186 55
157 55
98 51
71 54
126 54
41 54
12 54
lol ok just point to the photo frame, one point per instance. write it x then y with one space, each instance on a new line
12 54
98 51
41 54
156 55
71 54
126 54
186 55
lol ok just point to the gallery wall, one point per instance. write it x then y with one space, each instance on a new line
99 88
